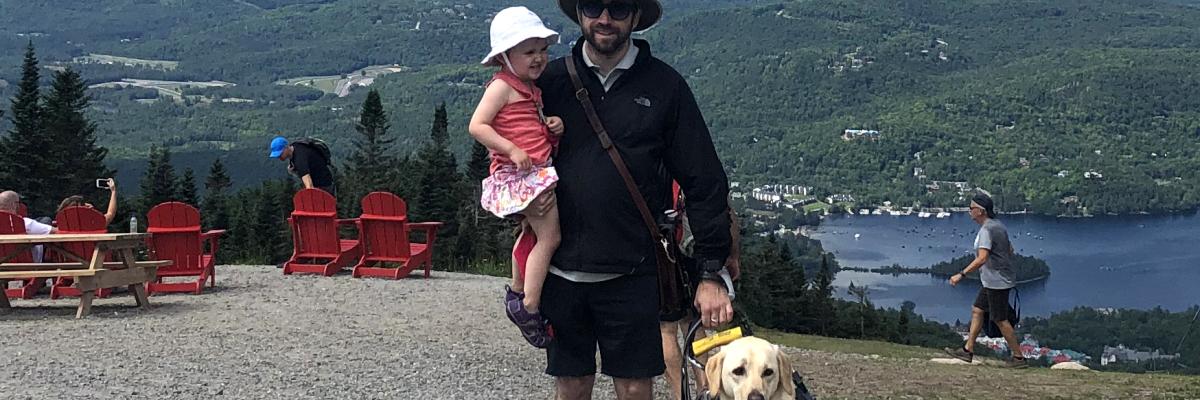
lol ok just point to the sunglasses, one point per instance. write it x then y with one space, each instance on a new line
616 11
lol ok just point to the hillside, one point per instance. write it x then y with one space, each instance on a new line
1065 107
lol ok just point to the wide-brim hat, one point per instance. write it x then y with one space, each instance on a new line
514 25
651 12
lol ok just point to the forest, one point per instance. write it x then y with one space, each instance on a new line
1061 108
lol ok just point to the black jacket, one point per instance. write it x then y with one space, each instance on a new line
307 160
654 121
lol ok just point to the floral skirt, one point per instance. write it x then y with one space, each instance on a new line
509 191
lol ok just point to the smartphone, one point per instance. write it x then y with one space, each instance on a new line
102 183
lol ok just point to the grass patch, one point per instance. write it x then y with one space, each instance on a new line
818 206
837 345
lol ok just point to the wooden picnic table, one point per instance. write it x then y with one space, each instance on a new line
90 272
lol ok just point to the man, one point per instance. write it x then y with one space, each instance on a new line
306 161
602 291
994 260
10 202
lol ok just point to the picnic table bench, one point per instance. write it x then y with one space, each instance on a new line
91 272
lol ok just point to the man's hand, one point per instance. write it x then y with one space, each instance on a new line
555 124
712 299
954 279
112 185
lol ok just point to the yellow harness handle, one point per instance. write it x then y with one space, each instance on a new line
719 339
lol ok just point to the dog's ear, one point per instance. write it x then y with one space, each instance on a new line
712 371
785 374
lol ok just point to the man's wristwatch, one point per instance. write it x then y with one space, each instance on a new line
712 276
710 270
711 265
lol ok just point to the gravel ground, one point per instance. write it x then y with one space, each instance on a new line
261 335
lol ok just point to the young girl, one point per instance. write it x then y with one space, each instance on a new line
510 122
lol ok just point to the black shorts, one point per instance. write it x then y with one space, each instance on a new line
994 302
619 316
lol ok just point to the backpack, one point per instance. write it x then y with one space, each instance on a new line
319 145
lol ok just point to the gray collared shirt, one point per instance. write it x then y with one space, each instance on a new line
624 65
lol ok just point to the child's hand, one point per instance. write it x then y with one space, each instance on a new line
522 160
555 124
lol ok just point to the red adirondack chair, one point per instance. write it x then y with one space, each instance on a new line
176 236
76 220
12 224
317 248
384 230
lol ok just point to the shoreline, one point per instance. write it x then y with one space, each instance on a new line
926 271
1035 214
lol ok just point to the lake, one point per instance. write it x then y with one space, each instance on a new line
1114 261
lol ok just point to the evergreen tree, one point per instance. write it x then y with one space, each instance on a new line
480 164
26 167
283 232
244 243
216 198
862 293
439 197
906 309
367 167
466 244
406 174
73 136
158 184
185 188
481 231
266 222
774 294
821 303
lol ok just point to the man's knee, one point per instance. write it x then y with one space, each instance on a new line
634 389
977 312
574 387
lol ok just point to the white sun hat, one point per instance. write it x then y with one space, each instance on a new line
513 25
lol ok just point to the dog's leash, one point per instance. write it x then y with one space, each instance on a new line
692 347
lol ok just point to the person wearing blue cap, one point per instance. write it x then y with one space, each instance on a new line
307 159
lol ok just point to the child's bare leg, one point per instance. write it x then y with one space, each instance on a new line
518 284
547 231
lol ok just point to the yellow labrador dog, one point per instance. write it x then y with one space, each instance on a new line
750 369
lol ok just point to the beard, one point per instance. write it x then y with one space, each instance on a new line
608 45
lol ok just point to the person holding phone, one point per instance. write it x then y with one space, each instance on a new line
78 200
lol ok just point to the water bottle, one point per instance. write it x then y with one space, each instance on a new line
133 224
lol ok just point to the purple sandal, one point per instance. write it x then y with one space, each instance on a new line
533 327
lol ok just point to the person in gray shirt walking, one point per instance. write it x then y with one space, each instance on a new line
994 253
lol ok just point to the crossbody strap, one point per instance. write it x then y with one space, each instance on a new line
585 99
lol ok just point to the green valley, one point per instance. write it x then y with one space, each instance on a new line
1069 107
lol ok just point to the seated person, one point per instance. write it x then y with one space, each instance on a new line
78 201
9 201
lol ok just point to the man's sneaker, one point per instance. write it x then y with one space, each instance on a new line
1016 363
960 353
